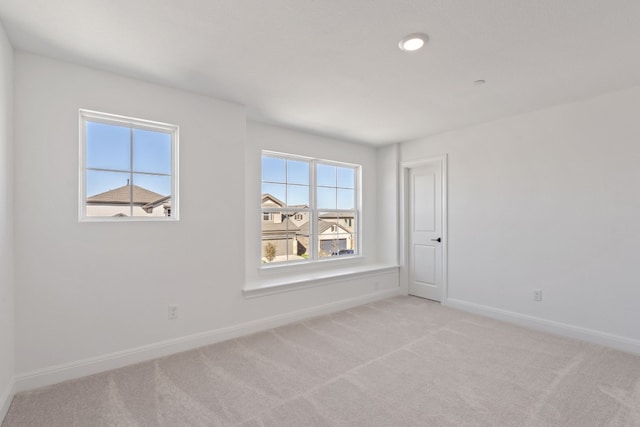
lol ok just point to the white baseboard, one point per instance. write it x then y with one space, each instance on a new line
5 399
558 328
94 365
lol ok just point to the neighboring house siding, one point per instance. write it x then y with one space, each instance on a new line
334 241
113 210
289 232
115 203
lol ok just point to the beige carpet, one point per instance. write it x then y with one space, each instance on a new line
399 362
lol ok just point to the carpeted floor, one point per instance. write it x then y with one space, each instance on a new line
399 362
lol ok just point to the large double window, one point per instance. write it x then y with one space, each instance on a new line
309 209
128 168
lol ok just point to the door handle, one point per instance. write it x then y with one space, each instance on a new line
437 240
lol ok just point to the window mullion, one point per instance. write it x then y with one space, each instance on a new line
131 171
313 214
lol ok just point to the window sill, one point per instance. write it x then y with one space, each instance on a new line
312 279
344 259
129 219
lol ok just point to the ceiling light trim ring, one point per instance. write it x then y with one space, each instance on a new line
413 42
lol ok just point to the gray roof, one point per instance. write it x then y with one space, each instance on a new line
274 199
166 200
283 227
279 203
322 227
122 196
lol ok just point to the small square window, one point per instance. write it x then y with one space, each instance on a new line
128 168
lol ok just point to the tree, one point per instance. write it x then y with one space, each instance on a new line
270 251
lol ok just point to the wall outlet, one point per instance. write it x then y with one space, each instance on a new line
537 294
173 312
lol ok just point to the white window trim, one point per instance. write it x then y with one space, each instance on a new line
114 119
314 259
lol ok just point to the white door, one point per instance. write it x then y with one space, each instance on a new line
425 231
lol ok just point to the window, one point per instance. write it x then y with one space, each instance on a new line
127 168
314 207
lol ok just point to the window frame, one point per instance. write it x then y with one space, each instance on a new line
314 212
134 123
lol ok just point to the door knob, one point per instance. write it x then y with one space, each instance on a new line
437 240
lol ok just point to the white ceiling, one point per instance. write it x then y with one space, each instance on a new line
333 66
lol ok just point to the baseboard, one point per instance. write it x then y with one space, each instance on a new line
81 368
5 399
558 328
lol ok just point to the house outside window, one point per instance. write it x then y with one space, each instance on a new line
313 209
128 168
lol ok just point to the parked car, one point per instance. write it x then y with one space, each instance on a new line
343 252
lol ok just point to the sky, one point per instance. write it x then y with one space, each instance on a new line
110 147
288 180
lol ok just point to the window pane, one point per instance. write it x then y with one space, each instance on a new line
282 248
99 181
297 172
274 236
107 146
346 177
297 195
279 191
153 185
348 221
333 246
347 243
326 175
346 199
326 198
294 249
273 250
328 231
327 217
107 194
150 195
151 151
273 169
302 244
282 239
335 234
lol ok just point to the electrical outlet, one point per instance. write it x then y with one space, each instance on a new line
537 294
173 312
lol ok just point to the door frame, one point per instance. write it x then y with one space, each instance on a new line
405 222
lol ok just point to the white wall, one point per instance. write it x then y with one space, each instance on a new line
7 346
387 186
100 291
86 289
548 200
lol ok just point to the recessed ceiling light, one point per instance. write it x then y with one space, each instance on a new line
413 42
